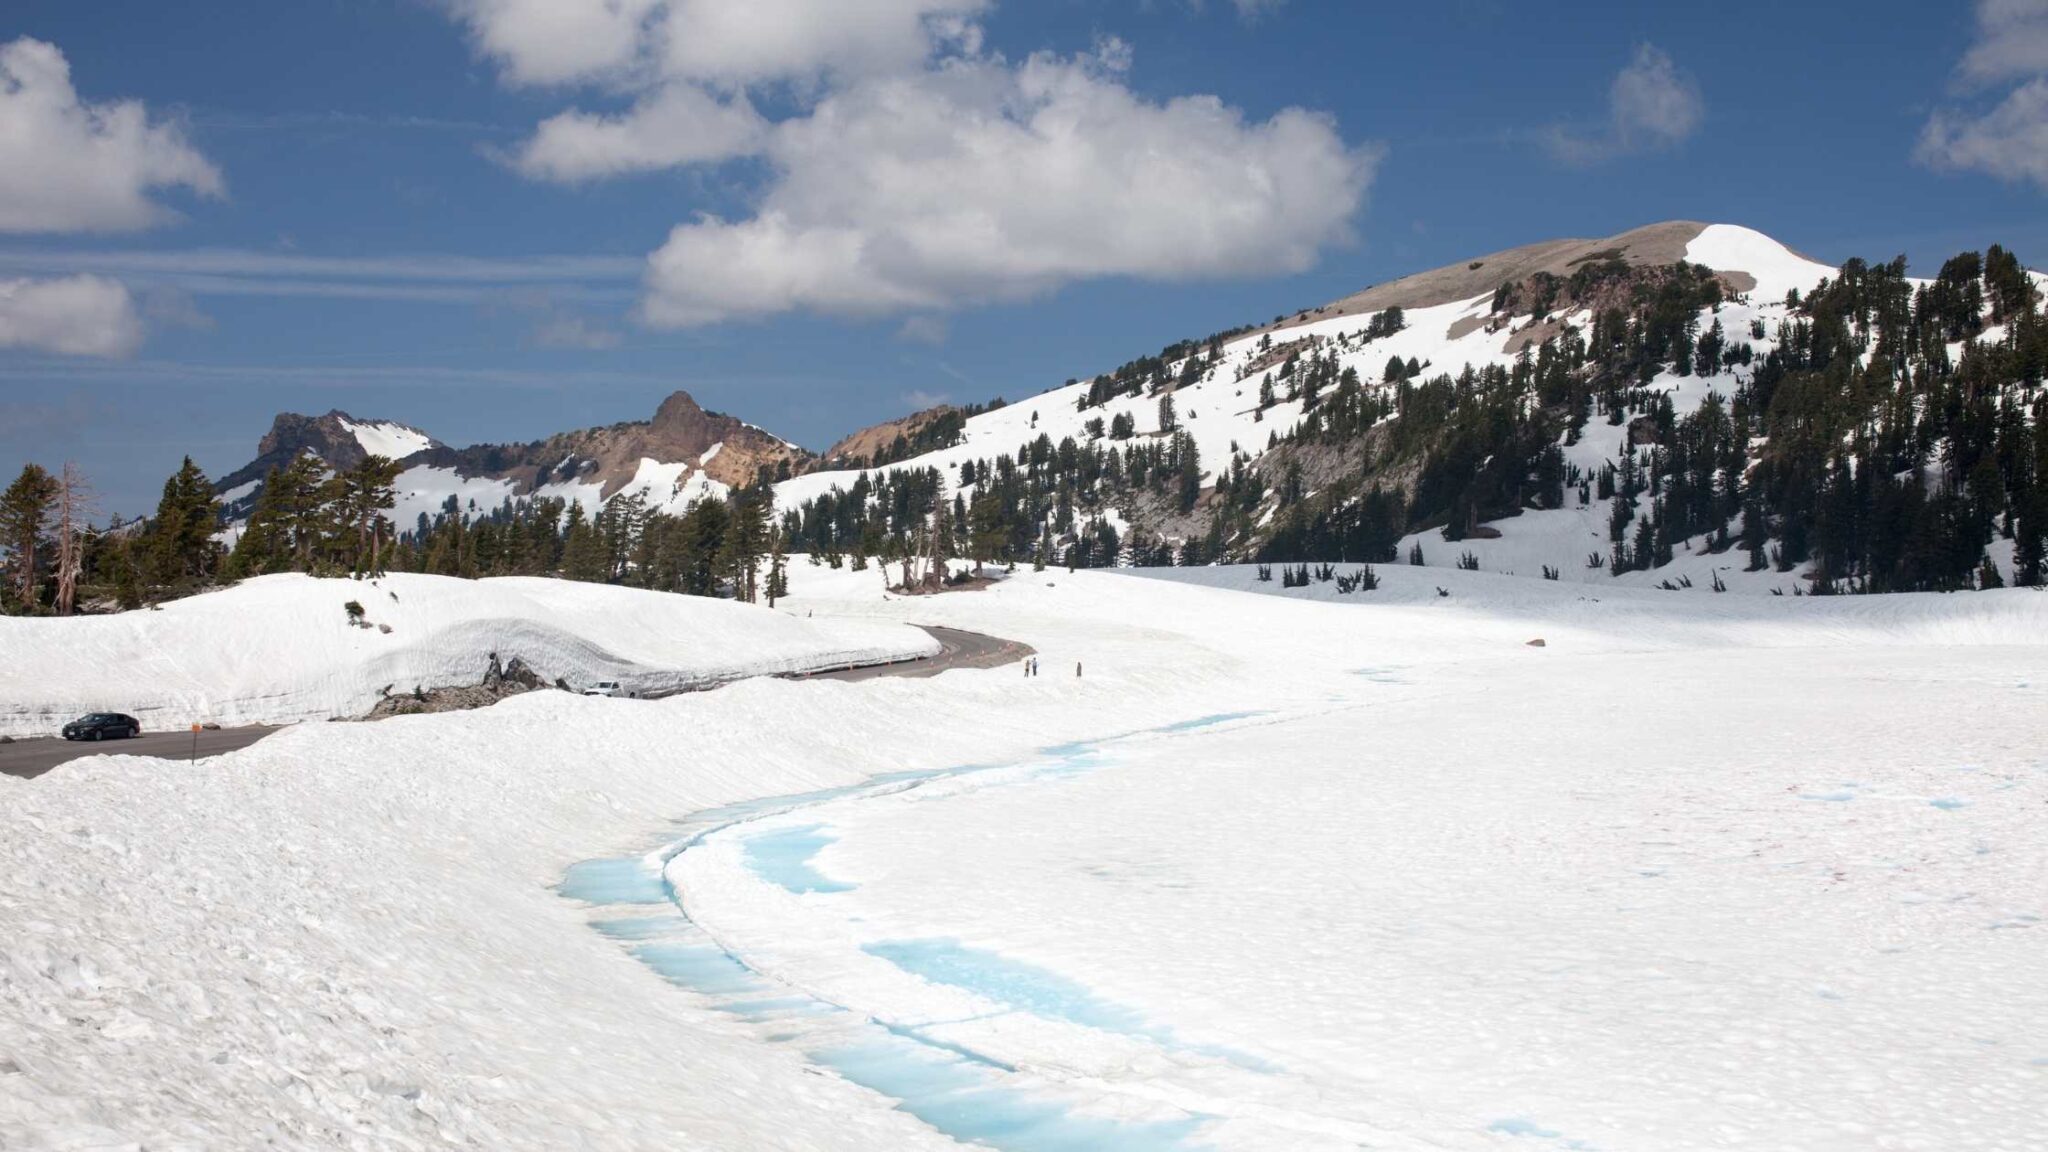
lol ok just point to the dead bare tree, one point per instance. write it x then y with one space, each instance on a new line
74 505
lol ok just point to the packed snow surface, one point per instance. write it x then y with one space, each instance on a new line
281 648
1279 869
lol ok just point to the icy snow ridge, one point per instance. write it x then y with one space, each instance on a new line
279 649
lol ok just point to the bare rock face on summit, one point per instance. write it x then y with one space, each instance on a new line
1649 246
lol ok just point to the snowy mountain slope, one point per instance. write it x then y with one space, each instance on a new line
279 649
1441 333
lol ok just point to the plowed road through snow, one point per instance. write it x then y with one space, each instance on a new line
957 650
31 758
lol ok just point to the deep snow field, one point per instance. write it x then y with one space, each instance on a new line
1283 869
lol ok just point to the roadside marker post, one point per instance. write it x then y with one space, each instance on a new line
194 759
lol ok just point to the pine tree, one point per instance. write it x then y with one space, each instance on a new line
745 542
24 523
264 545
582 548
778 572
298 497
118 565
181 545
362 495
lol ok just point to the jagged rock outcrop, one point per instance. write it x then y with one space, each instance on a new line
499 682
682 434
337 438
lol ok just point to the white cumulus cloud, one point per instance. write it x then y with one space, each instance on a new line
765 41
71 316
978 181
558 41
2009 138
639 43
910 170
678 124
67 165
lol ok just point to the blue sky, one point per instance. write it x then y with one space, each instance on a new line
356 204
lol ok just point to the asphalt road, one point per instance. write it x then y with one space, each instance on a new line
31 758
957 649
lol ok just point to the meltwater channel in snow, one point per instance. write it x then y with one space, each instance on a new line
963 1093
784 856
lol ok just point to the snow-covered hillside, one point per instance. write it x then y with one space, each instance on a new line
1291 872
279 649
1221 409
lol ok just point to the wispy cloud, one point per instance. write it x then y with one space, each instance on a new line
231 121
1651 105
923 330
2008 139
175 372
417 277
564 330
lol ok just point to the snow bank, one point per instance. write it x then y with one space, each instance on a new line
280 648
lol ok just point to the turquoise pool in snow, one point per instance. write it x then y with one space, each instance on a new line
783 857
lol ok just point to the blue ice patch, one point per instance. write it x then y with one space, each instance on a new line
620 880
784 857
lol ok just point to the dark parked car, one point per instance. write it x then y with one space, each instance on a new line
102 726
